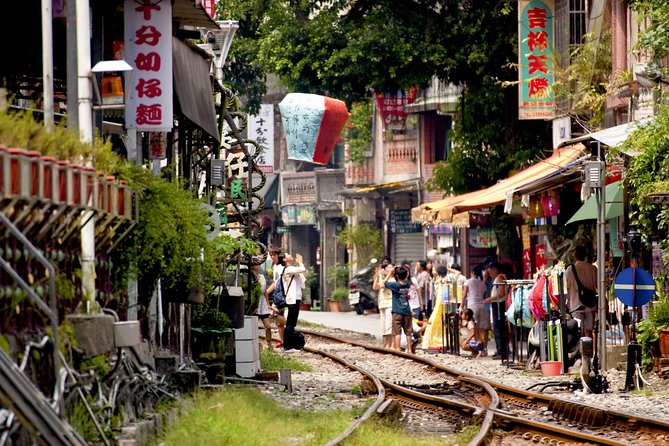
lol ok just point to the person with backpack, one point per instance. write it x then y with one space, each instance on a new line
401 311
582 276
292 277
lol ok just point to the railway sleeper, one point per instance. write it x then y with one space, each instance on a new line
578 413
390 410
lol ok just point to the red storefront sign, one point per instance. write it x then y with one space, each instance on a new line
148 49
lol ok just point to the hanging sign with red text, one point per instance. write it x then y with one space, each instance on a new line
148 49
535 54
391 106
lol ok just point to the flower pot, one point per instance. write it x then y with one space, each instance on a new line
305 307
334 305
551 368
664 343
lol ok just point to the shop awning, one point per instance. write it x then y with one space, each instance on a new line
394 186
191 13
613 136
192 86
614 205
443 210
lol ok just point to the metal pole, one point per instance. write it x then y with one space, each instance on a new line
601 261
47 63
86 135
72 88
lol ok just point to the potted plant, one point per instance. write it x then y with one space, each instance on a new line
310 289
338 296
653 332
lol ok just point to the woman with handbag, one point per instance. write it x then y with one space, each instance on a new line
582 277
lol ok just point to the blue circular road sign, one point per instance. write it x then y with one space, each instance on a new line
634 287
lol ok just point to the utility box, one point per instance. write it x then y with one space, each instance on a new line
247 348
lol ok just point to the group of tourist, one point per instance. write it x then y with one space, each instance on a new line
407 297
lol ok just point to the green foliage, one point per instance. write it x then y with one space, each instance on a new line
206 318
655 37
345 48
170 237
367 241
648 330
241 416
487 144
312 278
96 364
359 131
271 361
4 344
337 275
584 83
648 173
20 129
339 293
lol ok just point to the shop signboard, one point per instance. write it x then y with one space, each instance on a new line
298 214
148 49
261 128
535 64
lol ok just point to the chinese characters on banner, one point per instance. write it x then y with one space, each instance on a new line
535 35
148 49
157 145
261 129
391 106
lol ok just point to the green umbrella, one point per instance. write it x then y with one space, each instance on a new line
614 205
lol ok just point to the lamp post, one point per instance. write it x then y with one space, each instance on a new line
594 178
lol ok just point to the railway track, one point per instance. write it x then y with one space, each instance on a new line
507 415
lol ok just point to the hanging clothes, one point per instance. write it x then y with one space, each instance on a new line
518 312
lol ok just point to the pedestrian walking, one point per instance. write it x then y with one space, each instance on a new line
497 300
585 273
473 295
385 301
401 311
423 287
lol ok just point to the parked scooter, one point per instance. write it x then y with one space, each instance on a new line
361 296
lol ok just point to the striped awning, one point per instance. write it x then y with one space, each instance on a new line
443 210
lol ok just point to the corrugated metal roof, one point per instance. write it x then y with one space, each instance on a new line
191 13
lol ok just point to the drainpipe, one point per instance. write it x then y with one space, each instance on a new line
86 135
47 63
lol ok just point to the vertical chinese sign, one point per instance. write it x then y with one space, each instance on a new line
148 49
391 106
535 42
261 129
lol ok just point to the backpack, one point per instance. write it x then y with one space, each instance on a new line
588 297
294 340
279 294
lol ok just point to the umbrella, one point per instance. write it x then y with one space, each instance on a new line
614 205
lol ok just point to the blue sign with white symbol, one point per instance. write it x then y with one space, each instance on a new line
634 287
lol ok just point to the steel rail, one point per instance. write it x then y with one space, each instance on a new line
565 408
381 395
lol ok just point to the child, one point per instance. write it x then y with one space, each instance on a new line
471 343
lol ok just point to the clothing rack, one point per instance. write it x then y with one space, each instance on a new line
519 334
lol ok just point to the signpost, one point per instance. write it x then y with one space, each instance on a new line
634 287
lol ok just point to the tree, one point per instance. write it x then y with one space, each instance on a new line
348 49
655 37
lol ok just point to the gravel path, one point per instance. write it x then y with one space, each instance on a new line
330 385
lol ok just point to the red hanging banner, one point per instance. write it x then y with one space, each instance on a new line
391 106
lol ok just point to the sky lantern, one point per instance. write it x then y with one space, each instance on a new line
312 124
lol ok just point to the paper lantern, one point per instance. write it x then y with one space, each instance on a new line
312 124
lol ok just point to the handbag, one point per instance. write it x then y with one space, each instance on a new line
588 297
279 295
